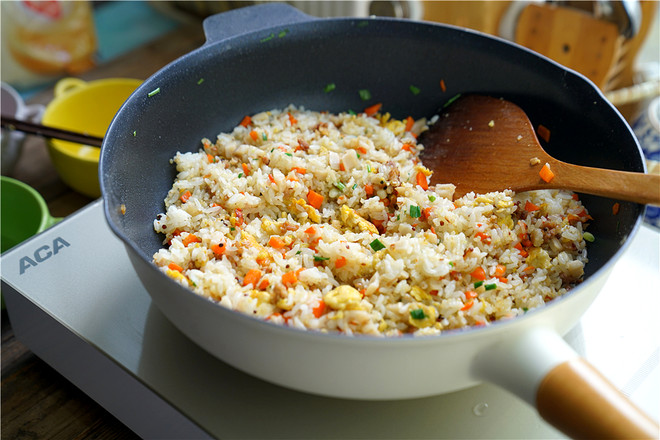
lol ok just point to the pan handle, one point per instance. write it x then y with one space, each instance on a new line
249 19
542 369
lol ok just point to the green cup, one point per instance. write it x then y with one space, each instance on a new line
24 213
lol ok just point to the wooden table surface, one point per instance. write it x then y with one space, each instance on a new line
37 402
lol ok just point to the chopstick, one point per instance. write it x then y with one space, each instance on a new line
50 132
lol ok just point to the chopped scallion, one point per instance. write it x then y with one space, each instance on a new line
340 186
589 237
452 99
431 198
199 81
490 286
283 33
154 92
319 258
268 38
478 284
415 90
376 245
415 211
417 314
365 94
329 88
289 154
354 185
240 175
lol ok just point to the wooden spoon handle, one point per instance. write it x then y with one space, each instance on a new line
579 401
622 185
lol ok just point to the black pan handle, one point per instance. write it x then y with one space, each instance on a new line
251 18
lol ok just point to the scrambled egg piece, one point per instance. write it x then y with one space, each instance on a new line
352 218
343 298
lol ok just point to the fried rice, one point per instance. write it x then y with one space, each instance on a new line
327 222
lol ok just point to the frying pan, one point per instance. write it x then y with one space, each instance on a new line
271 55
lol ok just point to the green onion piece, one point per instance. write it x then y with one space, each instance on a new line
376 245
525 309
589 237
199 81
490 286
368 168
415 90
319 258
452 99
240 175
365 94
134 133
289 154
478 284
329 88
154 92
358 155
431 198
268 38
352 112
415 211
264 136
417 314
363 24
354 185
340 186
451 263
283 33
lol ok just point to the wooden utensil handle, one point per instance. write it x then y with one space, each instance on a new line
635 187
573 395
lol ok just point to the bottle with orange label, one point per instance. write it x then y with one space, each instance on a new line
43 40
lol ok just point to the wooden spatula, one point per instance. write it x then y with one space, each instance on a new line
484 144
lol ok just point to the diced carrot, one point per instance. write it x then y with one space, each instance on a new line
310 230
479 273
219 249
341 166
543 132
299 170
210 158
252 277
546 173
174 266
529 269
319 310
500 270
421 180
340 262
503 279
575 197
191 238
409 123
530 207
276 242
292 120
369 189
523 252
271 178
315 199
485 238
185 196
289 278
292 179
246 121
615 208
434 292
426 212
470 294
468 305
407 147
263 284
246 168
254 135
443 87
372 110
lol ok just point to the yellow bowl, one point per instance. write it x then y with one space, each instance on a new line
86 107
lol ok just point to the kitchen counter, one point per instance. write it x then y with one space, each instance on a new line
36 401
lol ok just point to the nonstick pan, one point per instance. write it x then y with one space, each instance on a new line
269 56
